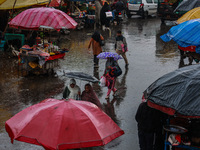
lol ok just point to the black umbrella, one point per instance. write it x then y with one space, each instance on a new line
177 92
81 76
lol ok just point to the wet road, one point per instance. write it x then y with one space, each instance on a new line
148 56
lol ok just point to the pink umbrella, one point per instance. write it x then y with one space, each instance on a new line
36 18
59 125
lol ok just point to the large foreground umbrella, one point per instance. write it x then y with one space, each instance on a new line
177 92
185 34
105 55
36 18
81 76
58 125
192 14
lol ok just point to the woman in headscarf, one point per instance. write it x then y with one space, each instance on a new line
96 47
90 96
105 21
110 78
72 91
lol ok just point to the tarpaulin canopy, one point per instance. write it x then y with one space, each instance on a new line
192 14
187 5
8 4
2 1
177 92
185 34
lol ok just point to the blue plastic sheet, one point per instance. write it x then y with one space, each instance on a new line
185 34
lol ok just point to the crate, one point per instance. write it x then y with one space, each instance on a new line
10 36
2 44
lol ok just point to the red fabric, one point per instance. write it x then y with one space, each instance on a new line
59 124
166 110
55 3
58 56
35 17
189 48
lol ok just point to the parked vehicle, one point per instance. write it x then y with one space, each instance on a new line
141 7
174 9
166 10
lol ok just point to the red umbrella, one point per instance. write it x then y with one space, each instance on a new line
58 125
36 18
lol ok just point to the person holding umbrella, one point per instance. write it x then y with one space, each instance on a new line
72 91
112 71
96 41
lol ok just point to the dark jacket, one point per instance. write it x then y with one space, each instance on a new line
119 6
104 20
120 40
148 119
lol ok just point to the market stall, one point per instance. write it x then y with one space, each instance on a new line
83 12
39 60
44 55
177 95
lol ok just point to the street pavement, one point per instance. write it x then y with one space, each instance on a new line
149 58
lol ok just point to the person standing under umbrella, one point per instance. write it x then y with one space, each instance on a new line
72 91
121 46
95 41
112 71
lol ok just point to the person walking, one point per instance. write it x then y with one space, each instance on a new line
96 42
112 71
105 21
121 46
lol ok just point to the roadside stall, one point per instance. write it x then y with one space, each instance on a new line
43 56
83 12
176 94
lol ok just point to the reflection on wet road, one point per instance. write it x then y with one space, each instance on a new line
149 59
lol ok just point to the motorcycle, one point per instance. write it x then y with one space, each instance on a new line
118 17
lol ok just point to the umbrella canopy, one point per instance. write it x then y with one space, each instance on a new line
185 34
187 5
8 4
58 125
177 92
105 55
34 18
81 76
192 14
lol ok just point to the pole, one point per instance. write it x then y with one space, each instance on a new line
11 14
49 3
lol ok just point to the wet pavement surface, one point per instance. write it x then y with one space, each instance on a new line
148 56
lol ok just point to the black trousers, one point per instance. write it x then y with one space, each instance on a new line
146 140
96 60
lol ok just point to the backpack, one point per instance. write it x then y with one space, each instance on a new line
115 71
